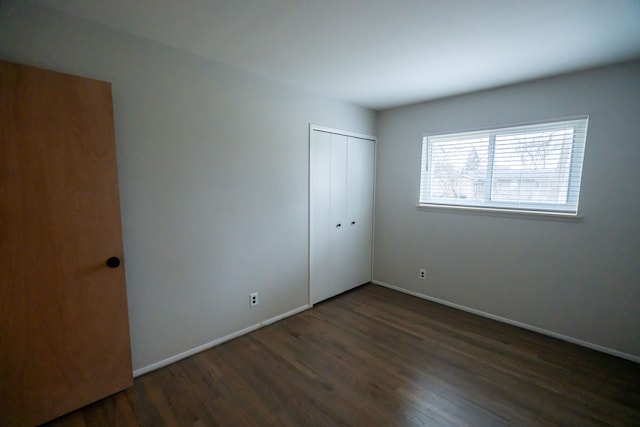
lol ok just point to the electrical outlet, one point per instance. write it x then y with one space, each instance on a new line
253 299
423 273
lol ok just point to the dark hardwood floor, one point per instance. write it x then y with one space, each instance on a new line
375 357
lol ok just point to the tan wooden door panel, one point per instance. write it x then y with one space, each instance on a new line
64 332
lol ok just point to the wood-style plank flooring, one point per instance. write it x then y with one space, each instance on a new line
375 357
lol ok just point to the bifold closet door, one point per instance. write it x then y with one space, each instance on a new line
359 199
326 207
339 245
341 213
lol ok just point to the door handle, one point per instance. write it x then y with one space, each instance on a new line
113 262
353 223
339 225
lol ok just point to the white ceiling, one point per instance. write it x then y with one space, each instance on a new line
385 53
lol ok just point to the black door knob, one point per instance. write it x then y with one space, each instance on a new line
113 262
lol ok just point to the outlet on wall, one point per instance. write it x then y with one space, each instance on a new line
423 273
253 299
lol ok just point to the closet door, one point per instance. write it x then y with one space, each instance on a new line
339 245
327 215
359 199
319 216
341 213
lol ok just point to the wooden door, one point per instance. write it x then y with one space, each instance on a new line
64 334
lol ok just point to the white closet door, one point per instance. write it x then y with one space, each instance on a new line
319 215
339 243
360 183
340 213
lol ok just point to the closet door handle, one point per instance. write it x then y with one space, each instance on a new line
353 223
339 225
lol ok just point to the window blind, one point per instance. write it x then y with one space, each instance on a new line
534 167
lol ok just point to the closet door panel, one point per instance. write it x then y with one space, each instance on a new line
319 215
338 180
360 183
339 247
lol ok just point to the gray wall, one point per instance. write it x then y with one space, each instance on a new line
213 168
579 279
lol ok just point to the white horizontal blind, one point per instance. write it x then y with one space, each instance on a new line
535 167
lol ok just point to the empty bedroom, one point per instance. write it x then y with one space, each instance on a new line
319 213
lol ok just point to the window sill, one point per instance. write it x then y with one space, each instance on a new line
510 213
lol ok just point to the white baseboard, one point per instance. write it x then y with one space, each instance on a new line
572 340
206 346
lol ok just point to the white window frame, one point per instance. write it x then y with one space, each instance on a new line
520 207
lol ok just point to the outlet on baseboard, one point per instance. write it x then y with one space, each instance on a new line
423 274
253 299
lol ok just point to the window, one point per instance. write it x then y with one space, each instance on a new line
533 168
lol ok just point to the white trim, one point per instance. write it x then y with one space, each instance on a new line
313 127
373 214
509 125
514 213
542 331
203 347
